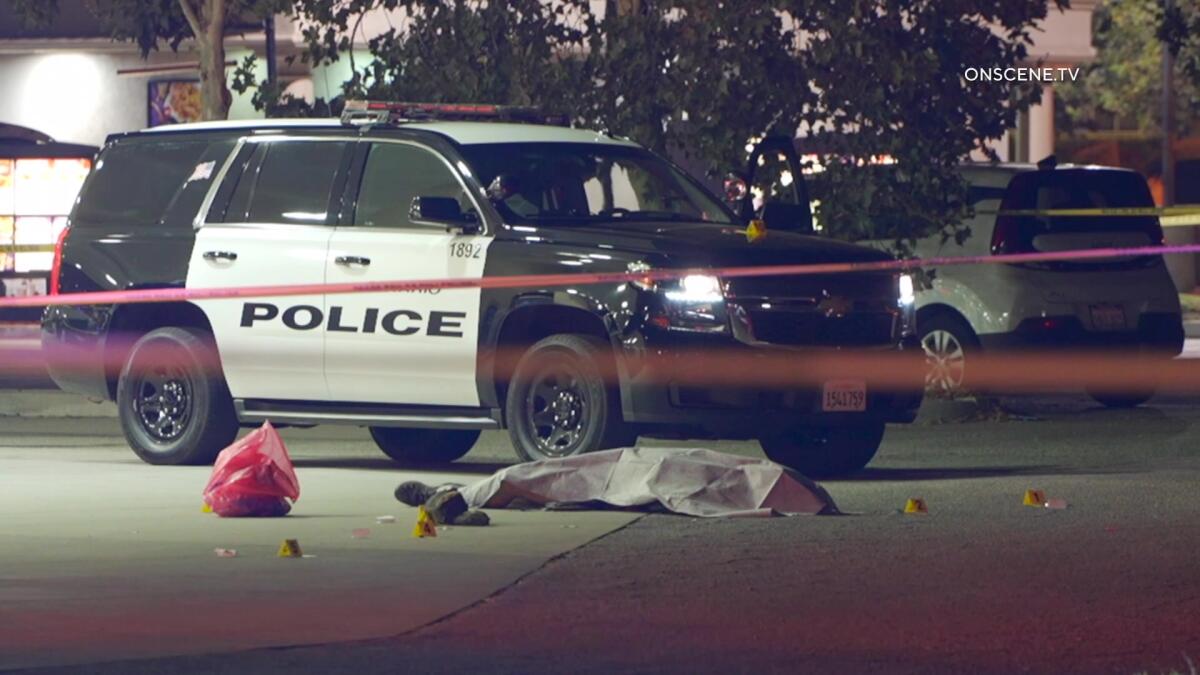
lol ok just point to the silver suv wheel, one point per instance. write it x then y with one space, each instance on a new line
945 361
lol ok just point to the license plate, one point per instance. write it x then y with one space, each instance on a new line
1107 317
844 396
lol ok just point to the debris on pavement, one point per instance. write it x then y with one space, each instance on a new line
384 520
253 477
695 482
1057 504
916 506
360 533
290 548
225 552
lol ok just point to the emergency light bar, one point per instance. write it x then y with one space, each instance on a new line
359 113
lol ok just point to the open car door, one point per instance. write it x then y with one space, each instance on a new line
772 188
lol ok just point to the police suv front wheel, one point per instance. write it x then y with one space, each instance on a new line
424 446
173 403
825 452
563 400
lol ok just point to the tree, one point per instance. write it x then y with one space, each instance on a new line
698 79
1180 29
1122 88
150 23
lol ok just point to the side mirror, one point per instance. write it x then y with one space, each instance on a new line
787 217
443 211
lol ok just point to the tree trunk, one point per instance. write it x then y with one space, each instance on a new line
207 21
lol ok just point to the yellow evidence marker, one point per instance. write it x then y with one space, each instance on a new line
756 230
290 548
1034 498
916 505
426 527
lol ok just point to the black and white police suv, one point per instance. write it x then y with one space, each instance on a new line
411 191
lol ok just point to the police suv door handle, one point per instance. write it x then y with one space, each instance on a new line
348 260
220 255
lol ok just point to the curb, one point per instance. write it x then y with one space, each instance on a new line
1191 329
51 403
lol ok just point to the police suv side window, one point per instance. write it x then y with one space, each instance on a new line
395 174
288 182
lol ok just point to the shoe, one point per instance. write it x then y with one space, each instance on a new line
414 493
445 506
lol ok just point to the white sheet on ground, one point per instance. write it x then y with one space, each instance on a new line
692 481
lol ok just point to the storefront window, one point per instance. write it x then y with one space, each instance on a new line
36 196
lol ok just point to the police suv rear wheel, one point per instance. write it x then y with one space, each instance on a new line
563 401
173 403
825 452
424 446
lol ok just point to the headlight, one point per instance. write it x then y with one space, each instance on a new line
907 290
696 288
694 303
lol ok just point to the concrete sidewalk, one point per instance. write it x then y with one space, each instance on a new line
105 558
982 584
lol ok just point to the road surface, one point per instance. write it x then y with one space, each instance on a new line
981 584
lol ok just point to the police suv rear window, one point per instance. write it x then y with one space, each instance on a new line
135 181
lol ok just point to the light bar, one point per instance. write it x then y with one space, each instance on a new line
360 112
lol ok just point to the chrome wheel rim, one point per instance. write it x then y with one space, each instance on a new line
163 403
557 411
945 361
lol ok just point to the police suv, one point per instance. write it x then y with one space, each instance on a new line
411 192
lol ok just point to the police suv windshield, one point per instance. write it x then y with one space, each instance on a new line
540 183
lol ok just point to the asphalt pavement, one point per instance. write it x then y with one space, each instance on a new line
980 584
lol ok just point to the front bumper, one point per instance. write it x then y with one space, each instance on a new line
658 388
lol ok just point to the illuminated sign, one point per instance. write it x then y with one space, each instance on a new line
36 196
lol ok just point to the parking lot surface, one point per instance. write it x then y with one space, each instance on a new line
980 584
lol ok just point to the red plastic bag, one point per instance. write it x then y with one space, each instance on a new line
253 477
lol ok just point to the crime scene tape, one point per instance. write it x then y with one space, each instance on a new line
160 295
26 248
1184 215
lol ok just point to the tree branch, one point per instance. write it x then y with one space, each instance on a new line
216 20
193 19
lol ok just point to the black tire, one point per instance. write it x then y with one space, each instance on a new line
172 399
825 452
424 446
943 336
563 400
1124 399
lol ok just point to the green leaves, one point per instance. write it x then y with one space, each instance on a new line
697 79
1122 88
